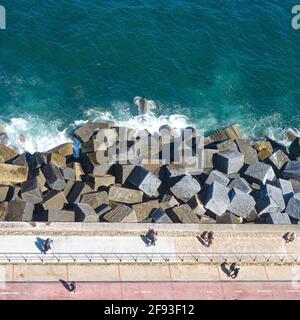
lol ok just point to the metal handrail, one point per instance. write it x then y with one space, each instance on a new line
148 257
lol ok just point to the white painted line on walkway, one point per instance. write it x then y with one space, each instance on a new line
264 291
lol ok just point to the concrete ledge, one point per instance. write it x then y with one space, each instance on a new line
130 229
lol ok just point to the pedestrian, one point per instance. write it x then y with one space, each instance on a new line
290 237
210 237
47 245
231 268
72 287
151 237
235 273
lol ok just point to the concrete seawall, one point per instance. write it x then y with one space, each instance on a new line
132 229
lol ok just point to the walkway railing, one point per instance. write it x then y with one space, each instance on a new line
148 258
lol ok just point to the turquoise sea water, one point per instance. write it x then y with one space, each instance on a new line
214 62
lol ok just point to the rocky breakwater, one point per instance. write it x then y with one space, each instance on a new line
121 175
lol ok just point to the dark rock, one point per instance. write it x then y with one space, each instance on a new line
159 216
79 188
292 170
53 176
294 148
30 191
122 172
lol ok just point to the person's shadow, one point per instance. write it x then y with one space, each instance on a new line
225 269
65 284
145 239
40 244
285 236
202 241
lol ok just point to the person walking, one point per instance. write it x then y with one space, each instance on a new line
47 245
290 237
235 273
151 237
210 237
72 287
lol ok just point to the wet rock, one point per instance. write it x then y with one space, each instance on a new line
229 162
145 181
241 204
277 218
30 191
186 188
260 173
124 195
54 200
61 216
53 176
292 170
265 149
11 174
270 199
121 213
231 132
7 153
183 214
85 213
245 147
217 198
3 193
294 148
240 184
85 132
217 176
19 210
159 216
143 210
95 199
64 150
293 207
57 160
40 159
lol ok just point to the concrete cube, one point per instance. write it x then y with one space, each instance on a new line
245 147
121 213
217 176
241 204
159 216
186 188
125 195
293 207
277 218
278 159
95 199
183 214
292 170
217 198
286 188
229 162
30 191
61 216
78 189
143 210
229 218
240 184
260 172
85 213
269 199
19 210
53 176
54 200
294 148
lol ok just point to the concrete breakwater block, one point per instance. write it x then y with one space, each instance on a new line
7 153
293 207
168 201
65 149
79 188
57 159
277 218
241 204
229 162
61 216
260 172
54 200
54 177
69 174
4 192
294 148
217 198
85 213
19 210
125 195
183 214
143 210
186 188
240 184
30 191
121 213
270 199
292 170
159 216
12 174
246 148
286 188
217 176
278 159
95 199
229 218
86 132
145 181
